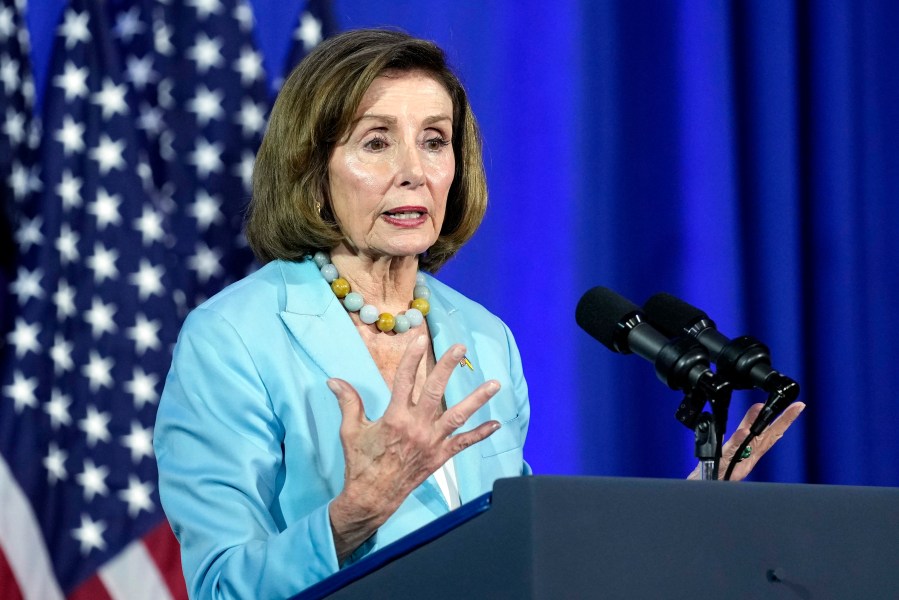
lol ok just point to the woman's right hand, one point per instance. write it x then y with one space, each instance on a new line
388 458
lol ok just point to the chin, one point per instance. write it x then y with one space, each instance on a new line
409 247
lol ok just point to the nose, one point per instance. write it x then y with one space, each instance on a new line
410 173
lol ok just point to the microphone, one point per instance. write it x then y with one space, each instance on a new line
620 325
745 361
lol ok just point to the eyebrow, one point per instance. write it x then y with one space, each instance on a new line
392 120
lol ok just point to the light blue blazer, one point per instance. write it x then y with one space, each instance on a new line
247 440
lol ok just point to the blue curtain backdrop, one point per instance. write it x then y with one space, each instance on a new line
741 155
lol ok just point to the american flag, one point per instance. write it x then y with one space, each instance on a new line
153 112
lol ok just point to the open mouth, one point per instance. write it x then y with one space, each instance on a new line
406 213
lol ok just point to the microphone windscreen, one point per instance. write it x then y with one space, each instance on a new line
671 315
599 312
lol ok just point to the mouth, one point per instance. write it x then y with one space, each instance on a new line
406 213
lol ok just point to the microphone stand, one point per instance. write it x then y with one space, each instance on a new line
683 364
708 428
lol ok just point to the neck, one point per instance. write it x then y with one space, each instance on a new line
385 281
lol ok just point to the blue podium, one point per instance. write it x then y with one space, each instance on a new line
586 537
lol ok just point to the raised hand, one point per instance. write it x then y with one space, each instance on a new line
388 458
760 445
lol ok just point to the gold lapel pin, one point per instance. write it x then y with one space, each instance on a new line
466 363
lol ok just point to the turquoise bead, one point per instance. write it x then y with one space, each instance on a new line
401 325
321 259
421 291
415 317
420 279
329 272
353 301
369 314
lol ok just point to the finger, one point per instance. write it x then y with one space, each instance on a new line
751 415
352 410
435 384
776 430
728 454
404 380
455 417
460 442
730 446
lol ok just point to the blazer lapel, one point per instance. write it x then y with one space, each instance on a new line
322 327
448 327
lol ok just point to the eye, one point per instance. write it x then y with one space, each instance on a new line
376 144
435 143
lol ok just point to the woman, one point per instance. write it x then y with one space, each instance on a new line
372 164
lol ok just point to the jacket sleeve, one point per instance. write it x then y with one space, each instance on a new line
218 446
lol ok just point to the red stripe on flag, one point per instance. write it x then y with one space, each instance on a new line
9 587
163 547
92 589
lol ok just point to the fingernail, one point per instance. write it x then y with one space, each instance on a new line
493 386
496 425
333 385
458 352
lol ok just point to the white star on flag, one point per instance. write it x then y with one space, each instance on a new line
58 409
108 154
73 81
74 28
137 496
70 135
27 285
61 353
98 371
139 442
142 387
93 480
207 53
310 31
95 426
55 463
90 534
206 105
111 99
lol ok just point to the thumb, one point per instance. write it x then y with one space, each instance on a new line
348 400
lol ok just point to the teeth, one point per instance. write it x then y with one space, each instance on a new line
406 215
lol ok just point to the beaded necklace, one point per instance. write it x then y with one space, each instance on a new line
369 314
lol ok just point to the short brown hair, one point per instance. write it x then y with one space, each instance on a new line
289 215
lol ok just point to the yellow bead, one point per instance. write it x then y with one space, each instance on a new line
386 322
422 305
341 287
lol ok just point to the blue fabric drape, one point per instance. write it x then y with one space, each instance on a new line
741 155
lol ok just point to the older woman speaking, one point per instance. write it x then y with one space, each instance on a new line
369 177
371 164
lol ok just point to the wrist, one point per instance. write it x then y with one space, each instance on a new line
352 523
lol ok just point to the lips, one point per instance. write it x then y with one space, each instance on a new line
406 216
407 212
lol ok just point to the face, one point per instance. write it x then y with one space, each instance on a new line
390 177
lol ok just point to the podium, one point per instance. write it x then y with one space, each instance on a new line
586 537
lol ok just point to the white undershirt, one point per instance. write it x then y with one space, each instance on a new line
449 486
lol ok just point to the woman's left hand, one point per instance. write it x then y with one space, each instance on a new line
760 445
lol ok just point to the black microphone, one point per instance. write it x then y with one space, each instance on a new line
620 325
745 362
